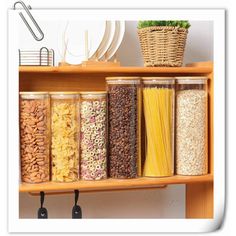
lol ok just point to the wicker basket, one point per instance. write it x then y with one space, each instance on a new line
162 45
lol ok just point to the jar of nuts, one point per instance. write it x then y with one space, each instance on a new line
34 136
93 135
159 113
191 126
64 136
124 105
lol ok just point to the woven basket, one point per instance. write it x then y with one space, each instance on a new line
162 45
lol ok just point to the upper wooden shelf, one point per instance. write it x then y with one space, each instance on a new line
201 69
115 184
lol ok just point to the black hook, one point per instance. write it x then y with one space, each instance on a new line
42 212
76 210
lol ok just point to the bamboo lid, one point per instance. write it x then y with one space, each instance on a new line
191 80
123 80
158 80
64 93
34 93
93 92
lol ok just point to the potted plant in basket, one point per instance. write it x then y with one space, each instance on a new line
163 42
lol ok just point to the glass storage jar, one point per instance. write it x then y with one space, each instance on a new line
124 126
34 136
93 135
64 136
191 126
158 106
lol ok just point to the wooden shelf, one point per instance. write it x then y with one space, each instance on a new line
115 184
199 189
116 70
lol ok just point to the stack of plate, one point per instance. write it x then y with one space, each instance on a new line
103 40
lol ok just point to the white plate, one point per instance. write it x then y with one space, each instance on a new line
118 37
73 32
107 39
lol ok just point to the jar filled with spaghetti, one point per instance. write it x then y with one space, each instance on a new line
93 135
191 126
158 105
64 136
124 126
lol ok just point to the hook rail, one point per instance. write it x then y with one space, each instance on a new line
99 191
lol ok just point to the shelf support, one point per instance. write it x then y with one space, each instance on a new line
200 200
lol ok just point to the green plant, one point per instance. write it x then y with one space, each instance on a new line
176 23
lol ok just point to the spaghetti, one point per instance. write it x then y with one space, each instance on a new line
158 112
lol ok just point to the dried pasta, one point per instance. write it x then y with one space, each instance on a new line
64 148
158 112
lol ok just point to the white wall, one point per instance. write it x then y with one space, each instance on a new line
159 203
199 46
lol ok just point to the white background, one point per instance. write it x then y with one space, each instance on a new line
229 226
159 203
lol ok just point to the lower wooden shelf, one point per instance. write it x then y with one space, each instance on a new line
114 184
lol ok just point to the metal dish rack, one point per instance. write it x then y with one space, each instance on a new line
43 57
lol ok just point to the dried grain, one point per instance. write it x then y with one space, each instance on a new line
191 143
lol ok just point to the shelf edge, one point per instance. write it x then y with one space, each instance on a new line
112 185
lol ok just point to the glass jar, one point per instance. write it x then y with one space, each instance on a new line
64 136
93 135
191 126
34 137
158 105
124 126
